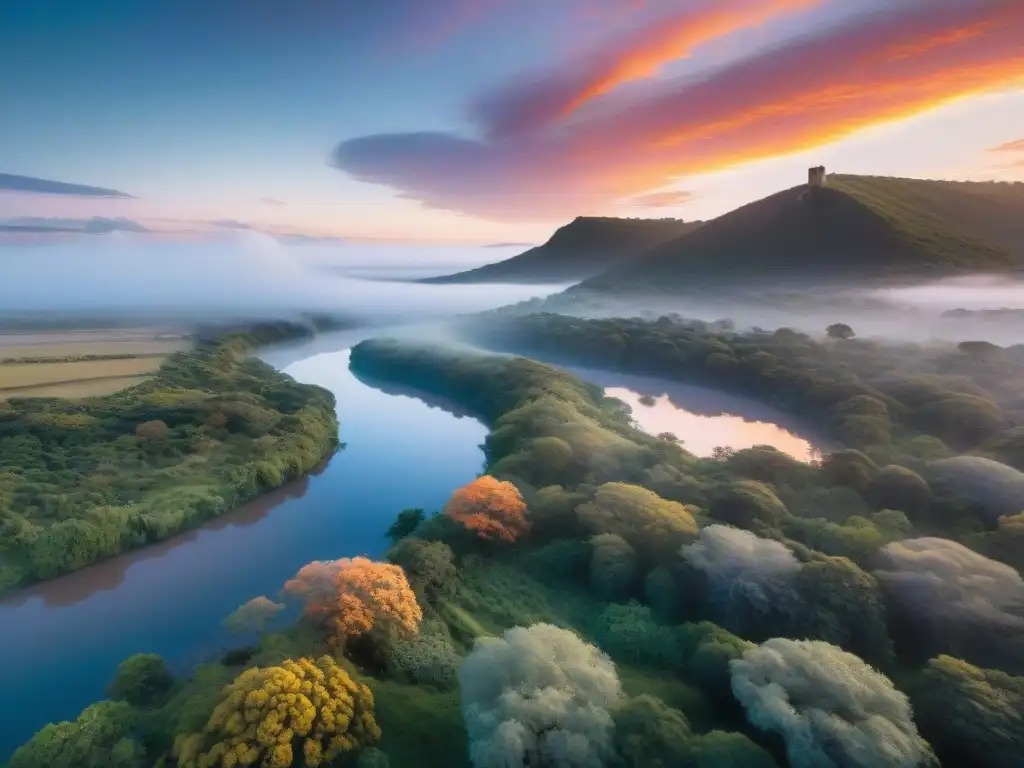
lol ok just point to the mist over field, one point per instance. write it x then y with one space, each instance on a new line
246 273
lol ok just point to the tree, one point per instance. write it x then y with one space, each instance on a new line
842 605
896 487
840 331
302 712
353 596
612 566
493 509
973 716
979 350
653 526
829 706
253 615
849 468
428 565
538 696
406 522
151 430
142 680
101 737
748 504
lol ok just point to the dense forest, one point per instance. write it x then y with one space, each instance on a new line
601 597
82 480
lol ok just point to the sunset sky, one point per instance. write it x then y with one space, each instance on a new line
488 120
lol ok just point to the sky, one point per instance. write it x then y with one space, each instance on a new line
484 121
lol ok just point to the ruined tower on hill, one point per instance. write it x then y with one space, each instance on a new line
816 176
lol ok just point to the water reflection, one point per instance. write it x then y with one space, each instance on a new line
70 589
704 419
61 641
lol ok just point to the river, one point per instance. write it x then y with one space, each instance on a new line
62 640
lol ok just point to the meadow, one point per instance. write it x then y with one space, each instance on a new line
82 363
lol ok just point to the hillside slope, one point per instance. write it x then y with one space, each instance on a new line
583 248
857 227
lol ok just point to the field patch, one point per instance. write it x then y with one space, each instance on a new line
81 363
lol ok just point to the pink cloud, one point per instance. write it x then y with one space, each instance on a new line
820 89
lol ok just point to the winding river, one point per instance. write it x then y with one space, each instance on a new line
61 641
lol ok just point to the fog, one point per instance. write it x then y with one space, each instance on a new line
961 309
244 274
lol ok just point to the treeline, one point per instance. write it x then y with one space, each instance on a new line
925 401
83 480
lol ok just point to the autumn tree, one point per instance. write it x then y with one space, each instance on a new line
151 430
353 596
493 509
302 712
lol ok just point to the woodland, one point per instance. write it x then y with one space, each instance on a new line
601 597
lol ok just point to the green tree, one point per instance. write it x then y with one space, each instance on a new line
142 680
973 716
840 331
406 522
101 737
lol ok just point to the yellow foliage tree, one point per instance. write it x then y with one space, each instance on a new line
302 711
355 595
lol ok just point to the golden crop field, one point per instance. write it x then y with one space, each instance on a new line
45 364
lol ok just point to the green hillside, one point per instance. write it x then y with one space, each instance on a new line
583 248
856 227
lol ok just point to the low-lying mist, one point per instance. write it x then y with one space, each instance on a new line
973 308
247 274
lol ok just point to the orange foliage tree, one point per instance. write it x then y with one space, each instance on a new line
493 509
354 596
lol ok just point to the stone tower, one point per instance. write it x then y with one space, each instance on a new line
816 176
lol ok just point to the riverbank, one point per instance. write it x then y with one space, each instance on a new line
63 638
86 479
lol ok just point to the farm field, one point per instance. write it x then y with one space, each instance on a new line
81 363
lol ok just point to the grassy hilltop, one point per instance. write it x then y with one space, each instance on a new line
856 227
581 249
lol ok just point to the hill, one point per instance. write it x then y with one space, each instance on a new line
583 248
855 227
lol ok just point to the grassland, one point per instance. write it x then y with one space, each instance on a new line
82 363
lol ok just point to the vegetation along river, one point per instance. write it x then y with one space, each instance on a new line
69 634
60 641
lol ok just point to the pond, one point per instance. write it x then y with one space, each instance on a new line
62 640
703 418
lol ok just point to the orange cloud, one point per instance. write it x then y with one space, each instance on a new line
885 67
637 55
667 40
1010 146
